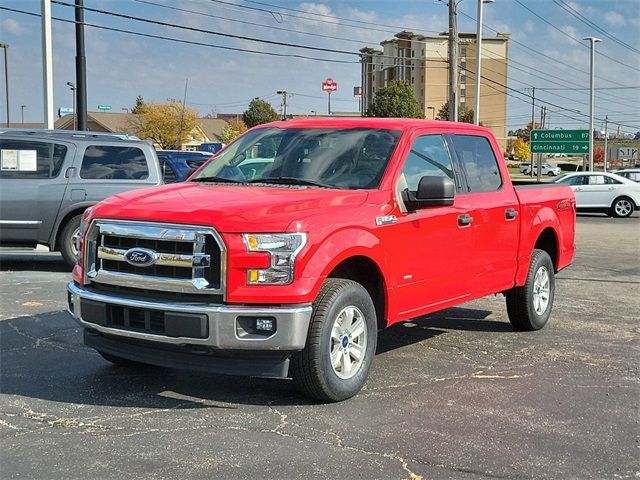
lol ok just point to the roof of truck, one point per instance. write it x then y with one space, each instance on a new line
370 122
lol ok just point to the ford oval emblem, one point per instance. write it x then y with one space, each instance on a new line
141 257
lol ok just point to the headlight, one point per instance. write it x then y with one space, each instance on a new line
283 248
84 226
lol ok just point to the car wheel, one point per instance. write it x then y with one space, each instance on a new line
67 238
341 343
622 207
122 362
529 306
551 174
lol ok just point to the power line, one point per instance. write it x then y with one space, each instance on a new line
244 22
190 42
565 6
210 32
571 36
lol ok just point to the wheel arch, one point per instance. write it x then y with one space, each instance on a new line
76 210
366 272
548 241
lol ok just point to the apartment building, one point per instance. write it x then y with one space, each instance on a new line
422 61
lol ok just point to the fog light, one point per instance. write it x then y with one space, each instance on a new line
265 324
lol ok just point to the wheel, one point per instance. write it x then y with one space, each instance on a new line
551 174
622 207
122 362
529 306
67 238
341 343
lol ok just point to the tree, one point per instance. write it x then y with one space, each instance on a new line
464 114
395 100
139 106
525 134
521 150
233 129
168 125
259 112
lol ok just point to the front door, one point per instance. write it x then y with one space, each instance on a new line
430 246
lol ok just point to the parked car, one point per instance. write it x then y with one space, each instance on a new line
354 225
603 192
630 174
547 169
524 166
49 177
177 165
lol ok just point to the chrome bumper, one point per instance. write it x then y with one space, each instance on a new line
292 322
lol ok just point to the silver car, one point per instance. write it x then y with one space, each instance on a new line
49 177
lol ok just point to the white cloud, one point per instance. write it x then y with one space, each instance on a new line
614 19
12 26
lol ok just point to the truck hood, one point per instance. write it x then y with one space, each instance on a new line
228 208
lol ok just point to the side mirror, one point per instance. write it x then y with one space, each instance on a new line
433 191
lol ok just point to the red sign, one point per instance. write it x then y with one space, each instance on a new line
329 85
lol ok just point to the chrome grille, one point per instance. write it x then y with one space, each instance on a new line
186 259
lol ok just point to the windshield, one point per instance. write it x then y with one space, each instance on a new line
336 158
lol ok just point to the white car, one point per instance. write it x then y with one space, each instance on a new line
630 173
603 192
546 170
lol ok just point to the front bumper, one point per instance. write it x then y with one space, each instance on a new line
218 327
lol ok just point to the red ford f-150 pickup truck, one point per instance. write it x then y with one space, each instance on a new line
286 253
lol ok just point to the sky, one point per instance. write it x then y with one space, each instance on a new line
546 51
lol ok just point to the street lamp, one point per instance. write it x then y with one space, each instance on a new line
593 41
126 110
6 77
72 86
476 110
22 107
433 113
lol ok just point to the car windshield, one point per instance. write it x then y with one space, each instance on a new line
336 158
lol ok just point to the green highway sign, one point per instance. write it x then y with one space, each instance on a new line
104 107
576 148
545 136
560 141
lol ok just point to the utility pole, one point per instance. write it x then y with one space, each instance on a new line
606 141
453 62
81 68
47 63
476 110
6 78
22 107
74 92
593 41
533 123
284 103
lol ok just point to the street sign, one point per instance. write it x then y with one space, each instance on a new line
560 136
104 107
329 85
560 141
576 148
65 111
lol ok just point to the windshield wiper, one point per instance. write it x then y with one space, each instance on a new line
217 179
290 181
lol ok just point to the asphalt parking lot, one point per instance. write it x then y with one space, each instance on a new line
456 394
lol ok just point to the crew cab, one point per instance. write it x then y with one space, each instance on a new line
344 227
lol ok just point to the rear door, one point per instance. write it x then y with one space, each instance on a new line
494 211
32 186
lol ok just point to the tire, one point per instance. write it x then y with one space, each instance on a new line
121 362
622 207
66 240
551 174
526 306
329 337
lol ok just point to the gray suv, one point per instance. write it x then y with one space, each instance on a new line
49 177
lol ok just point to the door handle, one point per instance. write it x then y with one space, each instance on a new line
69 172
578 189
464 220
510 213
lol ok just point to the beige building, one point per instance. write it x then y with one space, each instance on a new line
422 61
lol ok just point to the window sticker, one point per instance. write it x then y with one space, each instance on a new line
19 160
28 160
9 159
